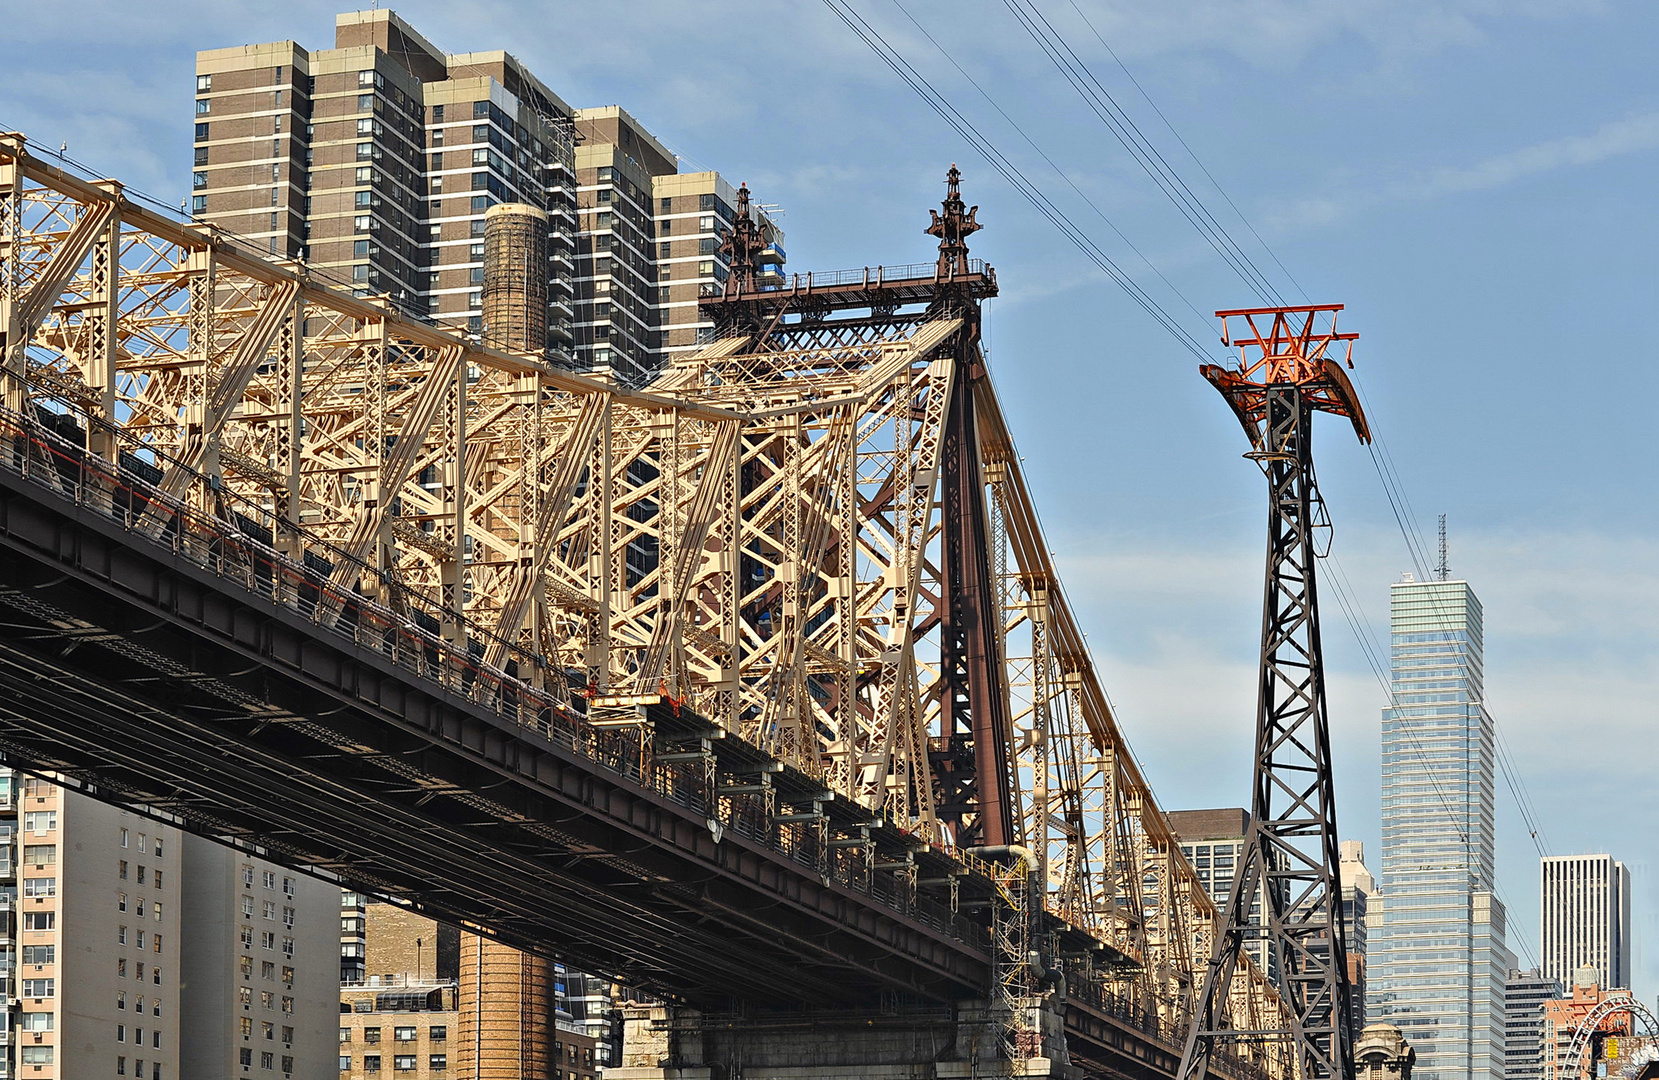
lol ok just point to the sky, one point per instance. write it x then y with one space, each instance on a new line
1472 178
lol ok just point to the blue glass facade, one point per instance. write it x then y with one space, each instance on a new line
1437 962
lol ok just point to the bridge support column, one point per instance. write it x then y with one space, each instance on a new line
960 1042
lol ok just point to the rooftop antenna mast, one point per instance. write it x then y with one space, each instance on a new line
1444 570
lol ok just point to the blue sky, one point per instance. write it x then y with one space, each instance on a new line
1473 178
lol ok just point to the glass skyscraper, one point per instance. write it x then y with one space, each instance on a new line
1437 962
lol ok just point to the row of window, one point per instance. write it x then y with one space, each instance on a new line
142 873
138 1035
267 1059
267 940
138 1005
138 973
267 1029
137 938
400 1062
267 879
400 1033
267 970
138 902
120 1065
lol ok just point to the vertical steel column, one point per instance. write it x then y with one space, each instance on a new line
1290 852
973 768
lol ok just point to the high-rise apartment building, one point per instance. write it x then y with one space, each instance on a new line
377 159
1585 918
695 212
1357 887
1213 841
260 983
1437 963
122 948
95 946
1525 995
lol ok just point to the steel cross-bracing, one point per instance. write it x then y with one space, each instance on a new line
715 687
1289 863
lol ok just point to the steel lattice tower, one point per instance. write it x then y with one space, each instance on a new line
1290 857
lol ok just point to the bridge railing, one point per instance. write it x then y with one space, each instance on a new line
236 541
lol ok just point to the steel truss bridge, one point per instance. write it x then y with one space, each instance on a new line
756 688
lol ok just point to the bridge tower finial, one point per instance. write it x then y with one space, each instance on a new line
742 247
953 227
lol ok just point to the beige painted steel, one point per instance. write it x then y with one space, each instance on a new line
756 538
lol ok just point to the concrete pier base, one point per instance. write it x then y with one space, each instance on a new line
960 1042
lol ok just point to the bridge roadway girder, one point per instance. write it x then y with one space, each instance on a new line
160 684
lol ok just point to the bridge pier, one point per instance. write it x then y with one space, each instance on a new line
964 1041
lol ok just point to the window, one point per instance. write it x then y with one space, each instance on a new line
140 941
40 854
38 1055
288 1002
157 912
120 999
345 1035
371 1034
705 202
437 114
365 151
365 126
245 1056
247 883
480 203
360 272
667 206
120 935
362 200
40 822
141 873
475 276
40 954
345 1062
155 1039
204 83
40 887
437 1033
244 994
40 920
705 246
246 1024
155 942
201 132
203 106
403 1062
141 841
268 1030
198 204
246 964
120 901
288 947
270 909
437 1061
287 1063
403 1032
158 847
267 970
705 268
38 1021
365 103
121 967
140 907
267 1000
201 159
371 1062
40 988
364 174
120 1066
124 837
287 1033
